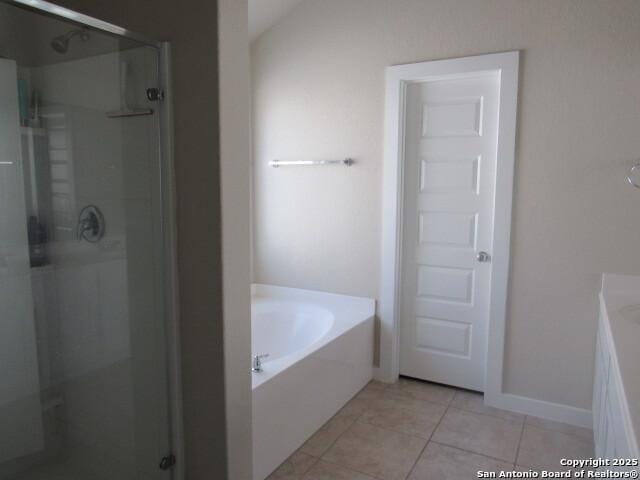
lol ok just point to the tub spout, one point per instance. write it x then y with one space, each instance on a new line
256 365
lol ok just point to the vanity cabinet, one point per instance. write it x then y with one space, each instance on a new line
612 431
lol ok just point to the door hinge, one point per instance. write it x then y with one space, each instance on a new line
167 462
155 94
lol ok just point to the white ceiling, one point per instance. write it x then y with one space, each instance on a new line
263 14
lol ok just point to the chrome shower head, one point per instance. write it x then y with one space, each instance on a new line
61 43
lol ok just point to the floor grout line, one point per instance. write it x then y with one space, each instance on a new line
339 436
352 469
471 452
413 467
468 410
513 420
400 395
303 474
385 390
315 462
341 466
524 415
358 419
515 460
478 453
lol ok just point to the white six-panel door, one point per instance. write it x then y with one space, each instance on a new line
450 148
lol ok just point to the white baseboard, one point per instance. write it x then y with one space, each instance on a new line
529 406
539 408
378 374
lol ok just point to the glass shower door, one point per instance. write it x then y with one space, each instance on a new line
83 347
19 390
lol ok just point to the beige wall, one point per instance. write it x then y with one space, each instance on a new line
235 176
191 26
318 92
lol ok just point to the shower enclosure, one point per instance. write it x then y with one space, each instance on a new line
86 334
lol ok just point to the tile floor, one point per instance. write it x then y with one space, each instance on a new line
422 431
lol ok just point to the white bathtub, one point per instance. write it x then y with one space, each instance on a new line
320 348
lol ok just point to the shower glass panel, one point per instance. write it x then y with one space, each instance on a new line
83 355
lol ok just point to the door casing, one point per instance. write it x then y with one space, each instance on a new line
397 79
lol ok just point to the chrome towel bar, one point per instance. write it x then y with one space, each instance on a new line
279 163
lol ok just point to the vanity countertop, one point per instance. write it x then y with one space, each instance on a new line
620 311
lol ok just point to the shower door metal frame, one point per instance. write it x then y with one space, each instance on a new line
81 19
168 206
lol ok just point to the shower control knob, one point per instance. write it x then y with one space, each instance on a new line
167 462
155 94
483 257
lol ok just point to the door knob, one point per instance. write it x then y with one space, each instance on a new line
483 257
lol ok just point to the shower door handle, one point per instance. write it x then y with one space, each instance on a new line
483 257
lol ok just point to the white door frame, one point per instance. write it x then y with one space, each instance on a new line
397 79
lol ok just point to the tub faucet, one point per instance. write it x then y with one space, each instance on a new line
256 365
